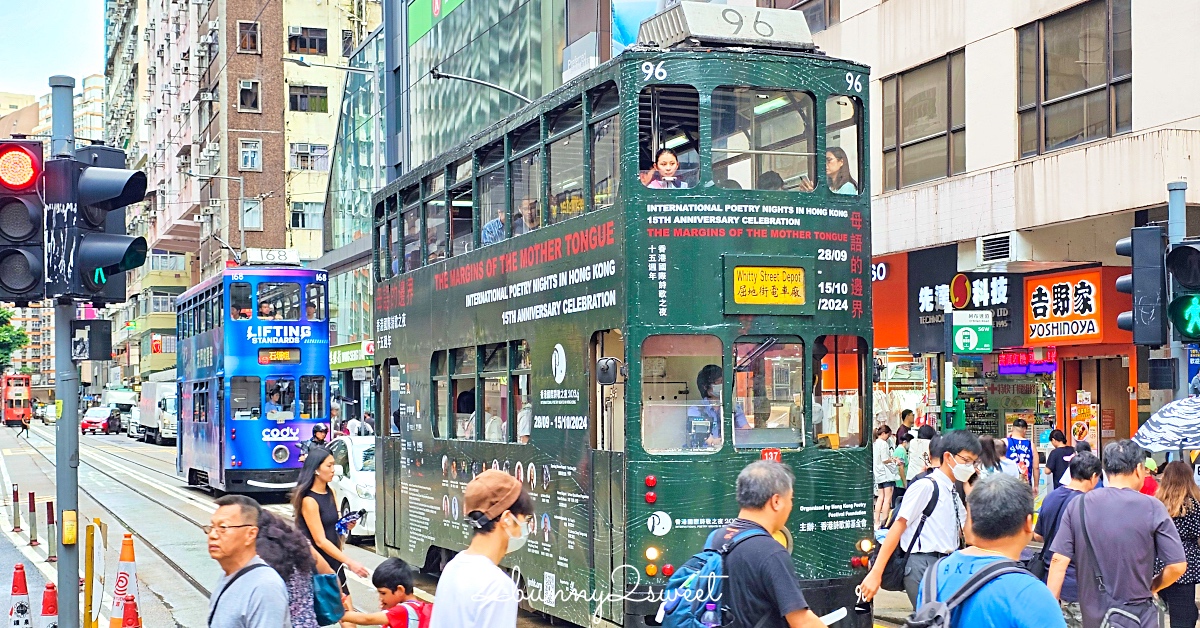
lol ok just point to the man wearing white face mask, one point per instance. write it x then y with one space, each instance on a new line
925 539
473 590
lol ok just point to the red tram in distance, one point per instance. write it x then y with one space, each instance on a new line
18 406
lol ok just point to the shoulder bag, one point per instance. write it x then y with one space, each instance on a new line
1117 614
228 585
893 572
1037 564
327 598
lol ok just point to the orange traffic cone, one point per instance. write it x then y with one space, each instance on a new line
126 584
19 614
130 618
50 606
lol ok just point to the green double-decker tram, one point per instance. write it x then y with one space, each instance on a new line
622 295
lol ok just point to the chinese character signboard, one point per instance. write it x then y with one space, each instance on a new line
934 282
1072 308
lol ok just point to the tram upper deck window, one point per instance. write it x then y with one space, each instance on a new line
682 384
566 177
462 223
495 392
669 136
763 139
606 153
411 219
842 160
281 399
245 397
442 417
393 243
769 389
279 301
840 385
492 208
436 222
314 302
312 397
526 192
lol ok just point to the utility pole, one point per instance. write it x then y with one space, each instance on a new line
1176 233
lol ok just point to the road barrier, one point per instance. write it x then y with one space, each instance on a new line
130 618
16 505
33 540
125 586
20 615
51 534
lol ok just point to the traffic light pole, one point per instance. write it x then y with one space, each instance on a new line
1176 233
66 383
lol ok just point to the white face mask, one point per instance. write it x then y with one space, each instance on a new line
517 542
963 472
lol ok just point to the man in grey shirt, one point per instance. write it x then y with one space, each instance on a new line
250 594
1126 531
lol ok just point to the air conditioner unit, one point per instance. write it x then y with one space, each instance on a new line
161 146
1003 248
185 107
214 25
295 31
176 68
207 96
151 71
245 84
183 56
303 149
149 119
177 118
160 53
213 148
127 56
151 25
146 36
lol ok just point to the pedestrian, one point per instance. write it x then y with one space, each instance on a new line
1007 466
1181 497
282 547
319 432
369 422
907 420
1150 485
901 455
250 594
473 590
1001 524
24 427
1020 449
399 608
886 474
1120 574
354 426
761 583
316 510
927 539
1085 473
989 462
918 453
1059 458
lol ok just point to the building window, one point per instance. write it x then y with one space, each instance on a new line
924 123
252 214
821 14
251 155
1075 72
248 96
248 37
347 43
310 98
307 215
310 41
310 157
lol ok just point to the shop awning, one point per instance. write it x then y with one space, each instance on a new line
1174 427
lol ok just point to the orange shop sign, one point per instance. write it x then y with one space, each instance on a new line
1064 308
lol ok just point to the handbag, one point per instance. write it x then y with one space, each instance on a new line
1119 614
893 573
327 598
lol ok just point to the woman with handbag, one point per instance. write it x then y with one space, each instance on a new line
1177 491
316 511
293 557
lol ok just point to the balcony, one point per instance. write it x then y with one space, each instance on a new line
161 271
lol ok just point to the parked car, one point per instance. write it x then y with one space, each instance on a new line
47 413
134 424
354 479
106 420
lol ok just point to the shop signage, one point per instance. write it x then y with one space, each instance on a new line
1027 362
1193 353
1064 309
972 331
930 281
352 355
1013 395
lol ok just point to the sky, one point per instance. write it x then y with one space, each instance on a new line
28 54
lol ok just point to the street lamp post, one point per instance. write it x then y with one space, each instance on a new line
241 181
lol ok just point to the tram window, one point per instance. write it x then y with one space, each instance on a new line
383 267
492 208
564 118
521 384
525 138
461 171
312 397
463 391
200 403
768 388
240 307
245 396
526 191
678 416
566 177
669 120
495 409
520 355
279 301
436 229
604 98
495 357
491 155
763 139
412 238
841 145
314 302
462 224
218 305
464 360
439 369
281 399
606 174
839 387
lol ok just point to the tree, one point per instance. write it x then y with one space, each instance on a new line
11 337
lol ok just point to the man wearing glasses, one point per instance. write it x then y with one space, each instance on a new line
250 594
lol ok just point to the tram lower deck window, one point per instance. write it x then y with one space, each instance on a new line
682 391
840 385
768 393
245 397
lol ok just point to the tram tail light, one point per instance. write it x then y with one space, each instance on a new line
651 481
668 570
651 570
651 497
866 545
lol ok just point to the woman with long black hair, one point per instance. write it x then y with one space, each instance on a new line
316 511
289 554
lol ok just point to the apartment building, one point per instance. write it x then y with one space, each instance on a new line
89 111
18 114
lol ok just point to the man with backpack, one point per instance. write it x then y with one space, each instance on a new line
983 586
931 518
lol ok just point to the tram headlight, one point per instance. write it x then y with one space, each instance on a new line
652 553
866 545
365 492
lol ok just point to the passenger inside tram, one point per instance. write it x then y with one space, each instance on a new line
664 173
529 217
837 171
704 417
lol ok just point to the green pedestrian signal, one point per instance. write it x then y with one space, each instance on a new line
1184 314
98 277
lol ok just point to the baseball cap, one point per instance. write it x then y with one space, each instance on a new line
491 492
1151 464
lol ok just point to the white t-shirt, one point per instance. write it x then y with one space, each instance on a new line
918 458
524 421
473 592
885 468
1008 467
943 526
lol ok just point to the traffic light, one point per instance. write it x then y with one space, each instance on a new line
1147 285
21 221
88 249
1183 262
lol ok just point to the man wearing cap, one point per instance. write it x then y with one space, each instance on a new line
317 440
473 591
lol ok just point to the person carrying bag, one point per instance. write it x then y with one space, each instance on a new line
1119 613
893 572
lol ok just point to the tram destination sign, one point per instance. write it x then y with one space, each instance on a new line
972 331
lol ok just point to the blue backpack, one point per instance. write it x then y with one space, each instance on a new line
699 581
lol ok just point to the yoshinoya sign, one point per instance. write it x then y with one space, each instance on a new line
1064 308
937 283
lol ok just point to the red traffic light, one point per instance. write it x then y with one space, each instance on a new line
19 168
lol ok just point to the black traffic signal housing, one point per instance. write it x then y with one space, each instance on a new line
21 221
1183 262
88 249
1146 284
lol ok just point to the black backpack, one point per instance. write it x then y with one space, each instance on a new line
935 614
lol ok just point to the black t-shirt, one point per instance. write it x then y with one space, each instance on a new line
1058 461
761 579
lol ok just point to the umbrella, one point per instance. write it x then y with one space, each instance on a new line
1175 427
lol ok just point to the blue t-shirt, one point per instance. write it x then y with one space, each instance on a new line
1020 451
1049 517
1015 600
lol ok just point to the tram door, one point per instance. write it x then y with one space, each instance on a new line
607 427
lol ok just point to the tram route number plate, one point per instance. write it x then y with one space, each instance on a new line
769 285
773 454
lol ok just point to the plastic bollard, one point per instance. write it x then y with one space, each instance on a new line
33 540
16 505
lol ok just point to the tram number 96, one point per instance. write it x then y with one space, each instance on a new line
833 287
832 255
833 305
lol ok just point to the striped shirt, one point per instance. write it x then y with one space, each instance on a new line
492 232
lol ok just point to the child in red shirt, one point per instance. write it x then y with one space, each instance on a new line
393 580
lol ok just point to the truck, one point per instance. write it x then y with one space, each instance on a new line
158 410
123 399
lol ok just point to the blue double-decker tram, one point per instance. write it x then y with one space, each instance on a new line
253 376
